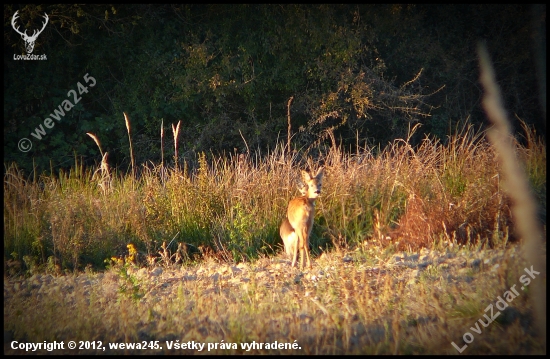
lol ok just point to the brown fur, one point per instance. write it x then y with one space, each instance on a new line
296 227
288 235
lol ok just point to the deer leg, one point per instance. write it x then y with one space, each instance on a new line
295 254
307 256
303 248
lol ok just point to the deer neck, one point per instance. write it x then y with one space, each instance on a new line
310 200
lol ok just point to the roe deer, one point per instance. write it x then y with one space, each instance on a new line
296 227
287 233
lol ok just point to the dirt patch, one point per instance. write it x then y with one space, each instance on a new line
349 303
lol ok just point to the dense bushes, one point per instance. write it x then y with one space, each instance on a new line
228 71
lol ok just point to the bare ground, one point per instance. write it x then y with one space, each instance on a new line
362 302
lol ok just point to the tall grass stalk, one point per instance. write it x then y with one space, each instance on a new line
401 197
162 143
176 131
524 206
127 121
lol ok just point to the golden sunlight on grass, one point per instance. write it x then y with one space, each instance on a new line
410 247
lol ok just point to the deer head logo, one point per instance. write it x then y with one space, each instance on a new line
29 40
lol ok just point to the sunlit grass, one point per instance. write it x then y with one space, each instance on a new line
404 198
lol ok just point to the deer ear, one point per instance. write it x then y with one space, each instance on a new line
306 176
320 172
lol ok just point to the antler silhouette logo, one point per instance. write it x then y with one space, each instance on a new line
29 40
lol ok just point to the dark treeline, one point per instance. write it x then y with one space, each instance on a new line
227 72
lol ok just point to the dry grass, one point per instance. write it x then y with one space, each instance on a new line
408 304
401 197
443 201
525 207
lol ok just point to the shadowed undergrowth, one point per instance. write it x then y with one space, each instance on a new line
230 207
410 246
413 249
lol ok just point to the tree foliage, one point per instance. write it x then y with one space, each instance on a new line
228 71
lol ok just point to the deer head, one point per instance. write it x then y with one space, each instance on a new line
29 40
